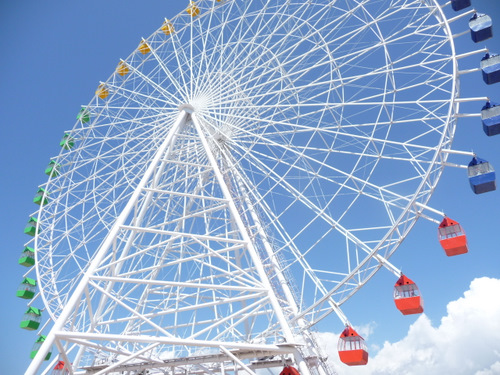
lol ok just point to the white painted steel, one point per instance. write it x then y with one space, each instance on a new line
320 131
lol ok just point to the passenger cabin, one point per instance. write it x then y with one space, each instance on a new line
122 68
67 142
490 66
102 92
31 319
30 228
352 348
41 197
53 169
481 176
167 27
289 370
144 47
36 348
481 27
83 115
452 237
193 9
407 297
27 258
490 115
27 289
60 369
460 4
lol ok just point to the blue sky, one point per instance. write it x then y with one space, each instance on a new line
55 53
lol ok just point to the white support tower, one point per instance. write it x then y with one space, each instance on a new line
181 276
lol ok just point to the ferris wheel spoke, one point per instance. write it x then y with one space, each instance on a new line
382 191
163 97
308 203
300 256
383 70
207 59
262 19
345 81
177 86
248 55
345 39
362 101
382 195
181 59
406 147
266 41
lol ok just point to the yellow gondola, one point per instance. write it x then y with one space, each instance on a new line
144 48
193 9
168 27
102 92
122 68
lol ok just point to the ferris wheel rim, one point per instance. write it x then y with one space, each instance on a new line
436 155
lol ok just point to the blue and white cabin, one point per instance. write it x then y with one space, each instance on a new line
490 115
481 176
460 4
490 65
481 27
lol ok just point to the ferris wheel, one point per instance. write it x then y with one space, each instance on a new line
241 175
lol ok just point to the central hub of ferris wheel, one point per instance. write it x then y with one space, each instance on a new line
189 108
219 131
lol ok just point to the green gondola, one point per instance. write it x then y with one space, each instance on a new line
27 288
27 258
67 142
53 169
41 197
30 228
36 347
31 319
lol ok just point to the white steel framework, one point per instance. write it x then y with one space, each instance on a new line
243 176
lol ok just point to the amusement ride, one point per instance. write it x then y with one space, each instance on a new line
240 176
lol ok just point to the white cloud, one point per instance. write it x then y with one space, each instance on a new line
467 340
493 370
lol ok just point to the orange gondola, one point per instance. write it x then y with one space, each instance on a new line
289 370
352 348
452 237
407 296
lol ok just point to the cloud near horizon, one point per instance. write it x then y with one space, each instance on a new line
466 342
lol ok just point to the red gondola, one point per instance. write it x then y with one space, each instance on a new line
60 369
289 370
407 297
452 237
352 348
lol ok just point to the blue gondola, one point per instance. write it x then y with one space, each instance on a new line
460 4
481 27
490 114
490 65
481 176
